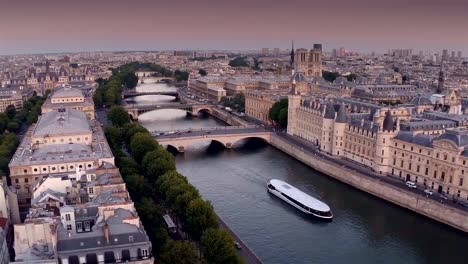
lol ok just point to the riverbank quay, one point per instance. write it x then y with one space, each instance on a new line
244 252
375 185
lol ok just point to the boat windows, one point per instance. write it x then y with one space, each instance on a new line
271 187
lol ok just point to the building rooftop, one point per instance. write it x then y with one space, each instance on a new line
62 122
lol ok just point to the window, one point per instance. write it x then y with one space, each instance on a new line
69 227
91 190
16 181
427 171
130 239
67 217
461 182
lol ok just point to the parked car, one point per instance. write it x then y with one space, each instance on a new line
411 184
237 245
428 192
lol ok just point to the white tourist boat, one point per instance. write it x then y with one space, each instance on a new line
299 199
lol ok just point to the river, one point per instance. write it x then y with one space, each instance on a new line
364 230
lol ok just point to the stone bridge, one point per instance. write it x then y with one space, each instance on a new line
226 136
134 110
134 93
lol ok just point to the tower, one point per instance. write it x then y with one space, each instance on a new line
294 101
339 131
292 54
388 130
315 61
302 61
328 128
440 84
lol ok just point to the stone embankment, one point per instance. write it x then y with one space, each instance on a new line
417 203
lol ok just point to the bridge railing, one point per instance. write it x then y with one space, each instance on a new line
186 130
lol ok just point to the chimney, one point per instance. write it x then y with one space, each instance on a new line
106 232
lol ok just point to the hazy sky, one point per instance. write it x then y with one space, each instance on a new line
364 25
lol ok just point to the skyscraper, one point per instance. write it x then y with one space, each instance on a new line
445 54
459 54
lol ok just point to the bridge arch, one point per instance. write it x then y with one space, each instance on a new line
197 111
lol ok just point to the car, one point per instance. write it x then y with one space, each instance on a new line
428 192
443 197
411 184
237 245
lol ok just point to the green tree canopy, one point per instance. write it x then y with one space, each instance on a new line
218 247
114 136
118 116
140 144
279 112
156 163
200 216
202 72
10 111
330 76
239 62
178 252
131 129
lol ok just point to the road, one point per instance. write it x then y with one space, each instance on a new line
366 172
209 132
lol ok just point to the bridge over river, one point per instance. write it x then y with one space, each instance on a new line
134 110
226 136
133 93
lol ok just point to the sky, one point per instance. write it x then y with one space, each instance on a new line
44 26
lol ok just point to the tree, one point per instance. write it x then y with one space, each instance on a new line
114 137
3 122
257 64
128 166
131 129
283 117
178 252
156 163
239 62
200 216
118 116
10 111
351 77
140 144
330 76
130 80
202 72
13 126
137 186
275 110
218 247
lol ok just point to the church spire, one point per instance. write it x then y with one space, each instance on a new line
292 53
440 84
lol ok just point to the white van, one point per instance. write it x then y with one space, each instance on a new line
411 184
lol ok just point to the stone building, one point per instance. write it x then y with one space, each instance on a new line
309 62
82 217
258 103
408 142
67 97
61 141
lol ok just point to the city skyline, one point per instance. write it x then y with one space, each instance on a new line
53 26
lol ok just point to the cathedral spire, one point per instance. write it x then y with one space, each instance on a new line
440 84
292 53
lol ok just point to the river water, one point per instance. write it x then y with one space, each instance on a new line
364 230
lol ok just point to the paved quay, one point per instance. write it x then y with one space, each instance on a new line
244 252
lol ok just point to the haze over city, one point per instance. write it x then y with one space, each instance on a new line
29 26
233 132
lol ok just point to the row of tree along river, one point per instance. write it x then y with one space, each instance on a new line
365 229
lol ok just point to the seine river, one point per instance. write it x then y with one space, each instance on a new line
364 230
